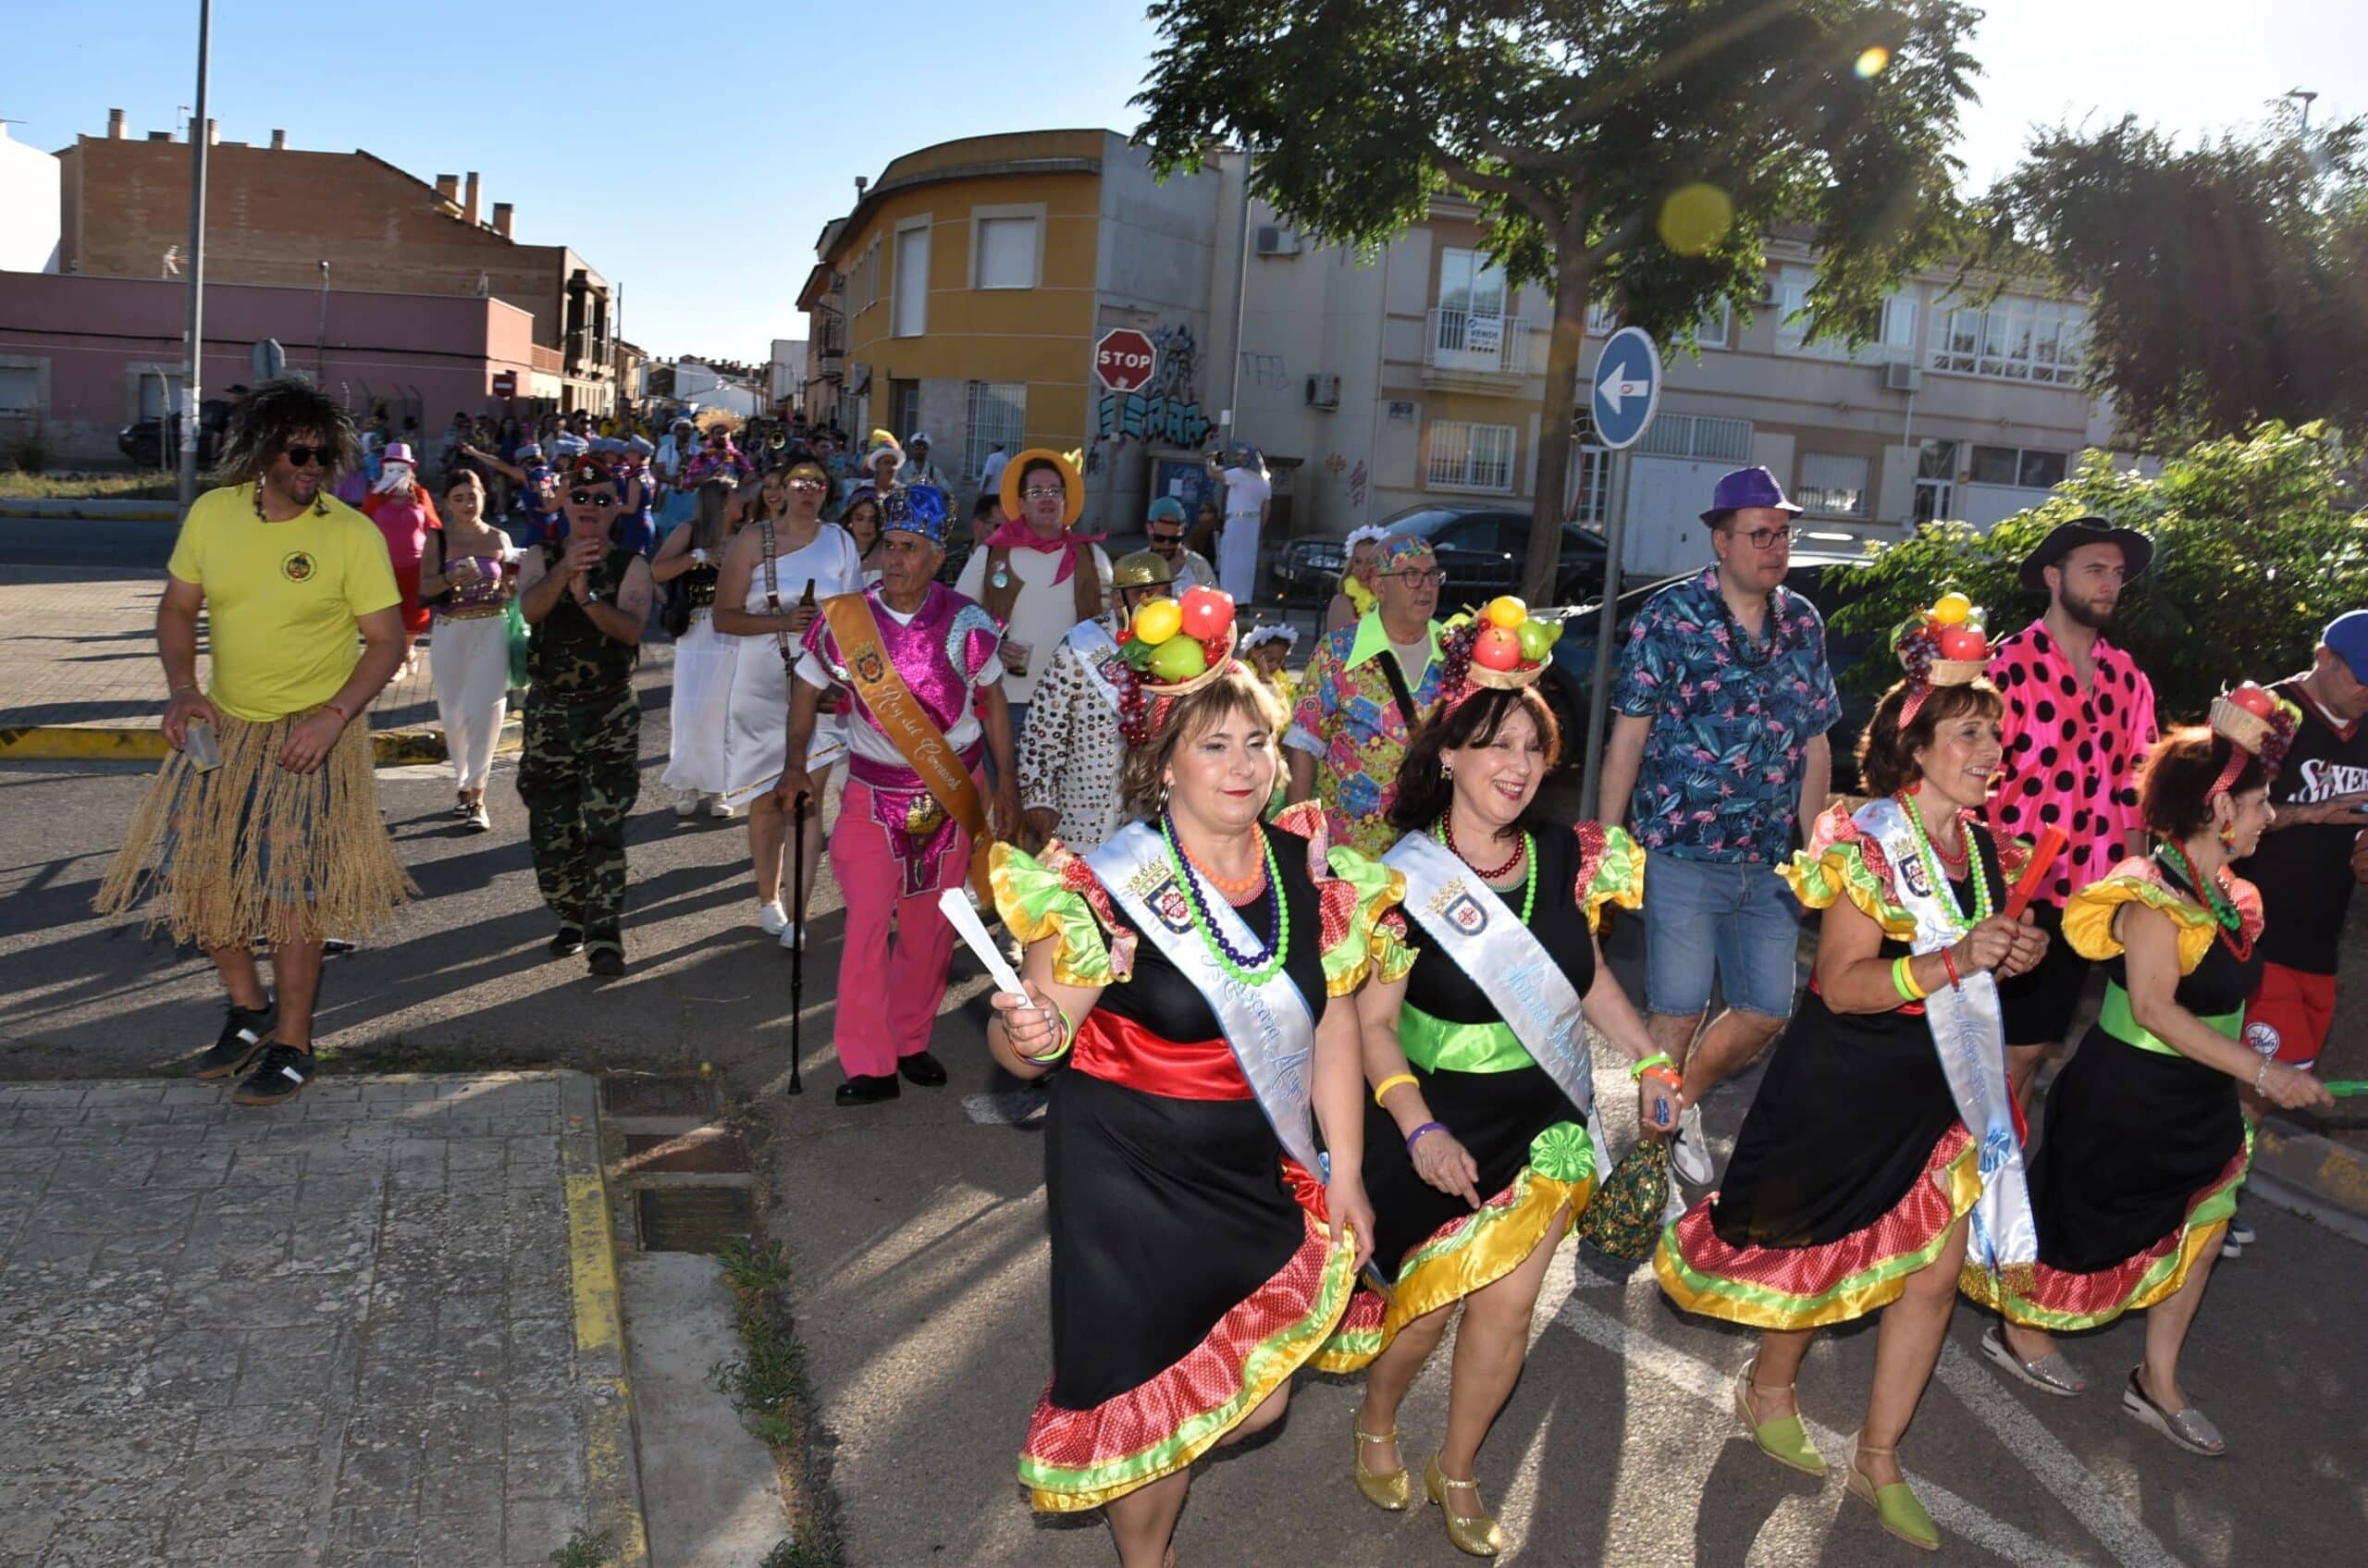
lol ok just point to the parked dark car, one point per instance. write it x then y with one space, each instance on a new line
1568 684
1481 550
143 442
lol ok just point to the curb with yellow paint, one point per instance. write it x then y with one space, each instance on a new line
118 742
2334 1174
611 1470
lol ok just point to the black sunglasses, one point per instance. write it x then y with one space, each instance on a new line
305 457
1166 538
590 497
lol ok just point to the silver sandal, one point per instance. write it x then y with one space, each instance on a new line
2050 1373
2190 1428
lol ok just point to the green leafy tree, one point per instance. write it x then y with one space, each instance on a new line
2260 541
1629 150
2223 280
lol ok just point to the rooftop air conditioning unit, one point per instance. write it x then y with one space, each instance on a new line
1323 391
1274 239
1901 375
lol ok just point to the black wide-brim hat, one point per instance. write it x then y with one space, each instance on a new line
2137 549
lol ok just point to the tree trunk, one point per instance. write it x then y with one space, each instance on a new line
1554 454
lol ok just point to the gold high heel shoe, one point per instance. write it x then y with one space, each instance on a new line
1477 1537
1394 1491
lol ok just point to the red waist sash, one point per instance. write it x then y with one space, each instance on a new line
1118 1050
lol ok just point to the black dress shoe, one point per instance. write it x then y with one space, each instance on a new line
568 942
922 1068
860 1090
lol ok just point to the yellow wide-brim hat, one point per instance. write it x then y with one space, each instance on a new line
1072 482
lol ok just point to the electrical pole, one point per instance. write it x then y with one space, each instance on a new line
193 393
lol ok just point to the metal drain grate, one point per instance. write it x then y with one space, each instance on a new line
684 1154
657 1095
693 1220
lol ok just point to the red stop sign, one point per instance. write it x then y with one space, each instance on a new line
1123 359
505 384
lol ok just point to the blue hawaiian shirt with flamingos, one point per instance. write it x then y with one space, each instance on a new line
1733 717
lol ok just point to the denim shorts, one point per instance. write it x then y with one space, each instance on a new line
1740 920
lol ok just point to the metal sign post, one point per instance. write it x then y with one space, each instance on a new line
190 427
1627 391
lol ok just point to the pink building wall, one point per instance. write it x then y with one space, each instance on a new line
89 340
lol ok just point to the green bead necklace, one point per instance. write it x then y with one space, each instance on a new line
1939 878
1202 922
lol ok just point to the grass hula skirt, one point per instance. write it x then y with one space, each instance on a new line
252 849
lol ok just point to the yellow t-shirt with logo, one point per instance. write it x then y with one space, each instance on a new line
282 599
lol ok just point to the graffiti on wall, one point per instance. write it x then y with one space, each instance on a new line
1266 370
1166 412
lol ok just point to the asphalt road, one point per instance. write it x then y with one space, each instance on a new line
918 1234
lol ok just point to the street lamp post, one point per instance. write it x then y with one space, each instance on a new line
192 384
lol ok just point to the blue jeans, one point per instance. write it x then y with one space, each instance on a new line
1735 918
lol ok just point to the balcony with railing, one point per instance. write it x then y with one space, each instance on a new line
1476 349
547 362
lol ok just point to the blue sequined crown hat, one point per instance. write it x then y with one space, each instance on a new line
919 509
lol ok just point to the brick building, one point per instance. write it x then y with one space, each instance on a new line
334 221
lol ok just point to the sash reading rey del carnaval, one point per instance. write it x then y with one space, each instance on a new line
953 794
1485 939
1272 1033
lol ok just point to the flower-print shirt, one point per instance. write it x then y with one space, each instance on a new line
2072 756
1732 720
1348 719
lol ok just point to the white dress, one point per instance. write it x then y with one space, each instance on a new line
755 743
702 688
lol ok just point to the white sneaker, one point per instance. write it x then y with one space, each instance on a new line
716 808
771 918
792 935
1675 1209
1689 1151
686 802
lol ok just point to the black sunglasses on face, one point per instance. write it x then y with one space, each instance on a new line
590 497
1158 539
305 457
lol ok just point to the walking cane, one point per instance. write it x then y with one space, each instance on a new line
797 949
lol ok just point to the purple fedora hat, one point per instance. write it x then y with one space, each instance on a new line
1743 487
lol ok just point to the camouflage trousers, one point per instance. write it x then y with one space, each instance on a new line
579 776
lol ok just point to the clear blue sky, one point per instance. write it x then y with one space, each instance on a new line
695 154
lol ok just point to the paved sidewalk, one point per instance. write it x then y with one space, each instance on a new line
376 1326
78 646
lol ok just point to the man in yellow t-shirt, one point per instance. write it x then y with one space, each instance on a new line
266 818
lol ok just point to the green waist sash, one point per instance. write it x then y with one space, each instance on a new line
2116 1021
1436 1045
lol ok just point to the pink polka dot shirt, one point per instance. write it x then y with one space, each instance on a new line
2072 753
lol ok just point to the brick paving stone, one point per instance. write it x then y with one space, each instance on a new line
241 1339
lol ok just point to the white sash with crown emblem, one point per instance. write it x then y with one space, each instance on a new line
1269 1027
1969 1032
1474 927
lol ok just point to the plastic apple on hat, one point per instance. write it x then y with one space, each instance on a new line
1178 659
1205 613
2253 700
1496 648
1158 620
1505 611
1951 609
1963 642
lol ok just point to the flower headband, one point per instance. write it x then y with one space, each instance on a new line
2255 723
1945 646
1269 631
1172 646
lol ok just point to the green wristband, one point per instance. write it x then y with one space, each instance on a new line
1658 1059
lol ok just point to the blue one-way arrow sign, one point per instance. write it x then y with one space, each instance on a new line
1627 388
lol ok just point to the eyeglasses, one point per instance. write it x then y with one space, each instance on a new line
1420 577
305 457
590 497
1159 539
1044 492
1761 538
